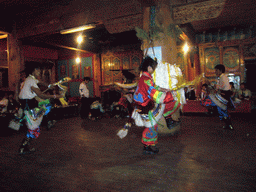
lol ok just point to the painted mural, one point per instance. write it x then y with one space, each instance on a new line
231 58
212 58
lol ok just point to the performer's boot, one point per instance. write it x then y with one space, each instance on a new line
228 124
24 148
147 150
171 123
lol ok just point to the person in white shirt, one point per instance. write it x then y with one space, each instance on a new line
33 113
221 97
85 101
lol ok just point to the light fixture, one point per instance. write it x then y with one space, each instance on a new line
3 36
78 60
185 48
77 29
79 39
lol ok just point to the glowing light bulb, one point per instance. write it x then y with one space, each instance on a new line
185 48
79 39
78 60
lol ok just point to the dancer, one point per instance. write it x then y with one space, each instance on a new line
33 113
220 97
151 103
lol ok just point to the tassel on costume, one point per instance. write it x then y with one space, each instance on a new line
124 131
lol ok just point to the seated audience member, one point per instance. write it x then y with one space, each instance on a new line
191 94
96 109
244 93
13 105
204 91
234 91
186 93
3 103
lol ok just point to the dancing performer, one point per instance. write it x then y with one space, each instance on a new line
151 103
220 97
33 112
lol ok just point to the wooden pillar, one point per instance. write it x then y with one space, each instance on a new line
167 43
15 61
97 74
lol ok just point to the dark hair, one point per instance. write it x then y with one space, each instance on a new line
220 67
147 61
243 84
231 83
30 66
87 79
205 85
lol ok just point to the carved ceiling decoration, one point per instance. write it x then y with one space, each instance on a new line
198 11
124 24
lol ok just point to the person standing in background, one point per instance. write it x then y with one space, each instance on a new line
84 93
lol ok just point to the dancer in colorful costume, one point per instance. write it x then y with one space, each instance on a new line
32 110
151 103
221 96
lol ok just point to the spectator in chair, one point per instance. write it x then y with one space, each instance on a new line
244 93
3 102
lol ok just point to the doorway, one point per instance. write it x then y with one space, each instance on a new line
3 61
250 74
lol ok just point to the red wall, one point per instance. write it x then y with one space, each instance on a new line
40 53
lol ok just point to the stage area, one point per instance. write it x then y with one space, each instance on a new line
83 156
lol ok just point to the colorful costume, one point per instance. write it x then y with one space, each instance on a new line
152 104
33 112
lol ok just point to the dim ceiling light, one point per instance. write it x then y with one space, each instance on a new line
77 29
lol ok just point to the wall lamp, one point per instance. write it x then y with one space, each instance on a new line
77 29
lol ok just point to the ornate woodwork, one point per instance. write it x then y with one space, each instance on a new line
198 11
229 53
113 63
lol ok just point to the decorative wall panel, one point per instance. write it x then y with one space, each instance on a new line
212 58
231 58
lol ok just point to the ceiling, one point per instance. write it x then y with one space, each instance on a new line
236 13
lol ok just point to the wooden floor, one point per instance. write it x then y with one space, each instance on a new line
78 156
